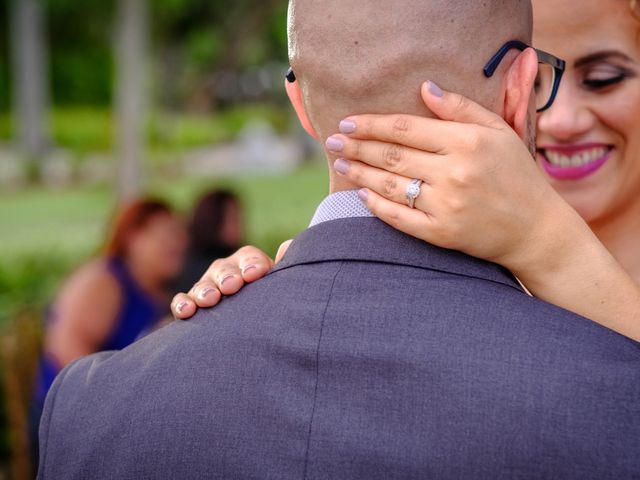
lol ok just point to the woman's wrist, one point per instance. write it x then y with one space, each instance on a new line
550 244
575 271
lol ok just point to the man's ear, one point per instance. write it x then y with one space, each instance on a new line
295 96
519 91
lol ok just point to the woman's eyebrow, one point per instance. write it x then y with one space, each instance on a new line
599 56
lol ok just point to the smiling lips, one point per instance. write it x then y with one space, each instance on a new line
573 162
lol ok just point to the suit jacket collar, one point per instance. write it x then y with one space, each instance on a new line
371 240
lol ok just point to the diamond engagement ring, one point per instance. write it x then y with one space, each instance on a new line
413 192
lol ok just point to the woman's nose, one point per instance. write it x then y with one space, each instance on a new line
568 119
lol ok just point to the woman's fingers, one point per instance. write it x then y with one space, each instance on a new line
421 133
226 275
389 185
182 306
205 294
458 108
391 157
252 262
411 221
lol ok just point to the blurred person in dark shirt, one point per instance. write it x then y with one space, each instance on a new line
216 230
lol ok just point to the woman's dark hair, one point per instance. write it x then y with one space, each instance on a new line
132 218
209 216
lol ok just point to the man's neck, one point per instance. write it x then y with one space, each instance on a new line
338 183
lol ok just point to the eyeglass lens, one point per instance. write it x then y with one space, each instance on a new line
544 84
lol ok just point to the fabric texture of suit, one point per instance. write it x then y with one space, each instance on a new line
365 354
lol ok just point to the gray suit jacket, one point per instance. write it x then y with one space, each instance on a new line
366 354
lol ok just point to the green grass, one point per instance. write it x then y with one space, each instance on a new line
38 220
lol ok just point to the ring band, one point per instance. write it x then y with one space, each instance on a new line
413 192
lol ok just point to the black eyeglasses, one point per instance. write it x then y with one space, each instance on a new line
550 71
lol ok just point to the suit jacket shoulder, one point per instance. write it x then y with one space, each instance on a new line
365 354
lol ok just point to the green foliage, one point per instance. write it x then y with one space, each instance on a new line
203 35
6 126
83 129
28 283
188 131
80 56
203 47
82 77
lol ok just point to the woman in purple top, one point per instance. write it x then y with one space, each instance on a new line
113 300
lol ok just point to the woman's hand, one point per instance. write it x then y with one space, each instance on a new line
484 195
225 276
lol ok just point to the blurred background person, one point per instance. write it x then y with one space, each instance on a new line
113 300
216 230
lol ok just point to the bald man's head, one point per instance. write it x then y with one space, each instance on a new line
371 56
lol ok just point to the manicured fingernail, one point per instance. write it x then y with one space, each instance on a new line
335 144
225 278
342 166
347 126
205 293
181 306
248 268
434 89
363 193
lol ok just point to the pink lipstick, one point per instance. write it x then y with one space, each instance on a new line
574 162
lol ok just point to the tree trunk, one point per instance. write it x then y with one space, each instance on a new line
30 76
131 91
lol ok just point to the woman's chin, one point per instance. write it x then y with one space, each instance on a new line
590 193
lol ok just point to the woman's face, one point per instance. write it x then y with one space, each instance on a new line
160 246
589 141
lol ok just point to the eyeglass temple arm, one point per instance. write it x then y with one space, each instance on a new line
543 57
491 67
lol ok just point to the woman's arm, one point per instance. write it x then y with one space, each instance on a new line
484 195
85 313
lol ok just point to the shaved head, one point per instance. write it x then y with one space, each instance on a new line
371 56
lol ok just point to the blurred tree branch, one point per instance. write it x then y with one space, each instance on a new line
248 20
131 104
